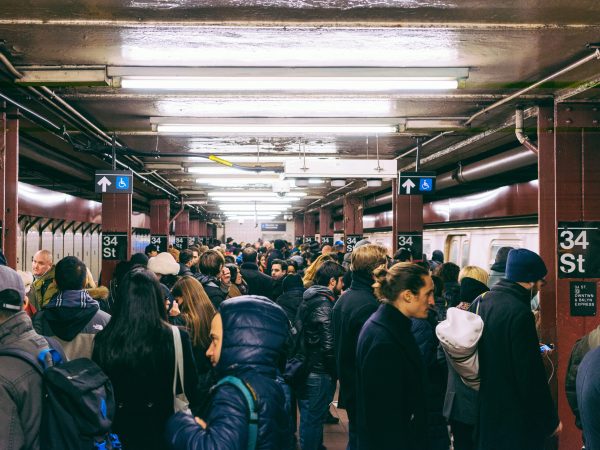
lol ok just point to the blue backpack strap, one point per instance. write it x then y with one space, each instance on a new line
251 402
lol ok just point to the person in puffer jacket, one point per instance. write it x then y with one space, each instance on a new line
248 341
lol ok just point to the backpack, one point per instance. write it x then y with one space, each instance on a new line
250 397
298 364
78 404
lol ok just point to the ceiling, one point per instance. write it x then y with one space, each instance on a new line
505 47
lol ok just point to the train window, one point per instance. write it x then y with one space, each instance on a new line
427 247
466 247
497 244
457 249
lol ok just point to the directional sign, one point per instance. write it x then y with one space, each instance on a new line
181 242
351 241
114 246
160 241
114 182
579 249
416 183
583 298
412 241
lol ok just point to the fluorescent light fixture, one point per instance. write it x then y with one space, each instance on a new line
244 218
315 181
195 202
373 183
265 194
303 79
266 200
265 159
214 169
299 170
252 207
275 128
237 182
338 183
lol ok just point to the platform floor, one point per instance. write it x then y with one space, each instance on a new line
335 437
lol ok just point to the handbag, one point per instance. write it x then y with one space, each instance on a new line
180 401
459 336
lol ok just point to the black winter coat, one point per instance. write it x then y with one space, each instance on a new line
350 313
516 411
258 282
212 287
290 301
256 331
390 384
315 314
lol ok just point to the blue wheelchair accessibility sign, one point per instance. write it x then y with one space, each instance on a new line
122 183
426 184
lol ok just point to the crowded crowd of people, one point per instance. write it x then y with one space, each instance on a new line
243 346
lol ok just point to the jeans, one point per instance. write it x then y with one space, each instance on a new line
313 402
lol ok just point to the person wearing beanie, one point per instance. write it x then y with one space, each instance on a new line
290 299
516 410
498 269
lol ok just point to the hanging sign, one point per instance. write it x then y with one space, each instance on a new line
114 246
416 183
579 249
583 298
326 240
181 242
351 241
412 241
113 182
160 241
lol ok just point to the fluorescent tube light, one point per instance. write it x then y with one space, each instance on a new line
315 181
252 207
273 128
237 182
265 194
267 200
265 159
244 218
216 170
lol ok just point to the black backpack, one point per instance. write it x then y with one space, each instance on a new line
78 405
298 364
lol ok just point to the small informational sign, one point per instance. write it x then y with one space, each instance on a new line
326 240
412 241
579 249
416 183
309 239
583 298
266 226
160 241
114 246
351 241
181 242
113 182
299 238
191 241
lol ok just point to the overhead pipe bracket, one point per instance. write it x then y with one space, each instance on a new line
523 139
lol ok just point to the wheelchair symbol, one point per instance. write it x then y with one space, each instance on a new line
426 184
122 183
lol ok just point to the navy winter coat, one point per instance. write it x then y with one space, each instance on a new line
588 398
255 331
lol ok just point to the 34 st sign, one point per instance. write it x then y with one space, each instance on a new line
579 249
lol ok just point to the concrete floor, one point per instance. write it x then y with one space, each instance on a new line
335 437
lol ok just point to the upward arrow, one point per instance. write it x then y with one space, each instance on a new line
104 182
408 185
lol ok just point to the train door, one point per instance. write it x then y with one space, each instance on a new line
87 250
458 248
32 245
47 243
20 249
57 248
68 244
95 255
78 245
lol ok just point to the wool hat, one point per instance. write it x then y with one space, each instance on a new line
163 264
292 282
524 266
470 289
11 280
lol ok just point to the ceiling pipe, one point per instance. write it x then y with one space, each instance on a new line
594 55
178 213
523 139
494 165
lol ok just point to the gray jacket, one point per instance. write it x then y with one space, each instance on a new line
20 386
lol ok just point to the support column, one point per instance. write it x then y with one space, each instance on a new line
182 230
11 189
116 233
310 228
326 226
353 221
203 232
2 173
408 222
569 177
159 223
299 228
194 232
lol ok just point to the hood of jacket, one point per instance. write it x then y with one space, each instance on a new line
361 282
99 293
69 312
316 291
511 288
470 289
255 331
206 279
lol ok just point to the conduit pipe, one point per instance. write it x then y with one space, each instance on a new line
594 55
523 139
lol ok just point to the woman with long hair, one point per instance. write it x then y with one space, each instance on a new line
238 285
137 352
311 271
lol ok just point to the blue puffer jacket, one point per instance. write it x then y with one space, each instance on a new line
254 336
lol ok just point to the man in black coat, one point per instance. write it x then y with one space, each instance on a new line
350 313
211 265
258 282
516 411
293 289
276 253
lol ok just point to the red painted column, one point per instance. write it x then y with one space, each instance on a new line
299 227
408 220
310 228
326 226
194 231
570 178
203 231
353 221
182 230
2 172
11 189
116 218
159 223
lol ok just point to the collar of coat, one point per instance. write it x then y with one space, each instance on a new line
513 289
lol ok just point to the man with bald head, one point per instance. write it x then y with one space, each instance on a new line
43 287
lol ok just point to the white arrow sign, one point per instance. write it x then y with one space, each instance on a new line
104 182
408 185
